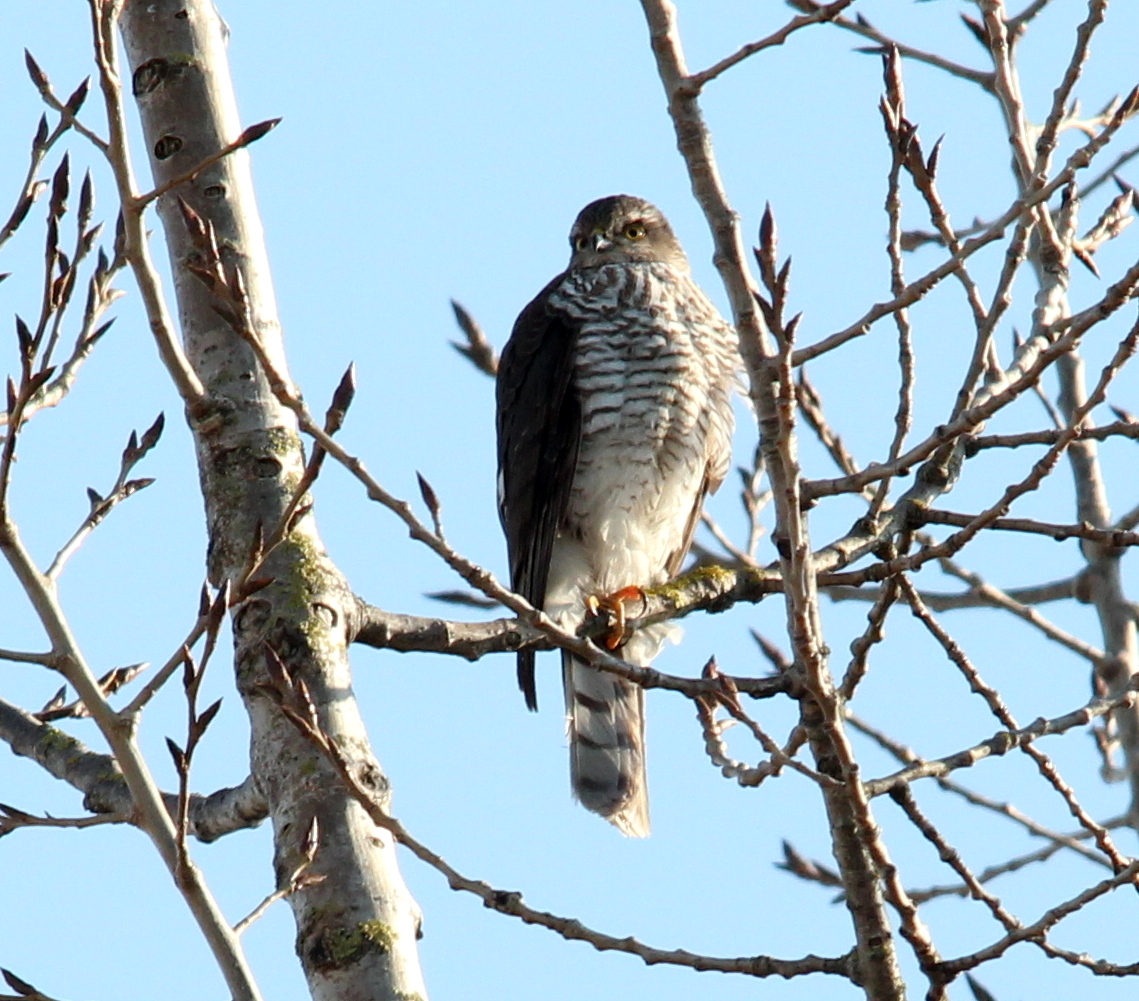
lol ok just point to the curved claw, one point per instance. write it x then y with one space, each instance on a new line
613 606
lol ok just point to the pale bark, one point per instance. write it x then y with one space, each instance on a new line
357 927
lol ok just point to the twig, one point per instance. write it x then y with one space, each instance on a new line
728 698
12 819
1047 920
1123 429
903 139
999 744
1017 24
907 756
867 30
811 409
1110 170
904 797
209 622
151 813
478 350
69 109
733 552
296 880
874 633
941 602
997 598
26 657
1040 470
1018 862
120 491
998 708
25 991
822 12
1046 140
136 246
247 137
32 187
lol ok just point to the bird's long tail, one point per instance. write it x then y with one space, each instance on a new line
606 723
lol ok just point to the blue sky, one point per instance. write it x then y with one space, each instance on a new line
438 150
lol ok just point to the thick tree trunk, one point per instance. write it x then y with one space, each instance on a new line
357 928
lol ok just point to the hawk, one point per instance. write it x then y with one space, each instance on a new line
614 422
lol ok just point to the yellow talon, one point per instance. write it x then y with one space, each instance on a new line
613 606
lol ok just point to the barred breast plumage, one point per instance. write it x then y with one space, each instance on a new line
632 368
652 368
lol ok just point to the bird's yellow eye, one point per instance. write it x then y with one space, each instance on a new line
635 231
580 243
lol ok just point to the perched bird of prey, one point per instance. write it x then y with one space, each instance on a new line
614 422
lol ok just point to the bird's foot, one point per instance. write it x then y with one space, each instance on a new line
612 606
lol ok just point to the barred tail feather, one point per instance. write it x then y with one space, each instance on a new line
606 723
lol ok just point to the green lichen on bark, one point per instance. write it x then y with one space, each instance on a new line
675 590
54 741
338 947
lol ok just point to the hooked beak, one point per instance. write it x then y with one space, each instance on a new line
600 243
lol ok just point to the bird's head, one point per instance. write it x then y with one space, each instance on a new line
621 229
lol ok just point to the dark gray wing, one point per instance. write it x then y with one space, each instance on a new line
539 430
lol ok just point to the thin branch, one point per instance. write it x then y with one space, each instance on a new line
1117 429
999 599
731 550
136 245
69 109
478 350
1017 24
247 137
867 30
1046 921
25 657
824 12
1016 863
902 139
904 797
1110 171
811 408
1040 470
12 819
1046 140
940 602
32 187
1001 743
907 756
874 633
209 622
298 879
120 491
1001 711
728 698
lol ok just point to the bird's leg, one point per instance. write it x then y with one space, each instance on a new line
613 607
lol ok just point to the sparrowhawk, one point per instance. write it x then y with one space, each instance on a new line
614 422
